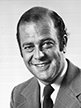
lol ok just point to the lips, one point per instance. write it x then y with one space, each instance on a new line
42 66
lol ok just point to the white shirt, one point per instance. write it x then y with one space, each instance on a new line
55 85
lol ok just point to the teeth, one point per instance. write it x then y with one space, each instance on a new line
40 65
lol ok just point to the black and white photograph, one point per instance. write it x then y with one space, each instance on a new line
40 53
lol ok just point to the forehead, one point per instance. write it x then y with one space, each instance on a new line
39 29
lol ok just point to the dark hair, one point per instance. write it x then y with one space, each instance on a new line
36 14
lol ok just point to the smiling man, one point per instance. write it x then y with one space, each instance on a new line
42 39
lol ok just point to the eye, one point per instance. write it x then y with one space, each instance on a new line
47 44
28 47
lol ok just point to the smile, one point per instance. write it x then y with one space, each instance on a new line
42 66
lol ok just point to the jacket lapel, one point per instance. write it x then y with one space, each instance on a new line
31 95
70 90
66 98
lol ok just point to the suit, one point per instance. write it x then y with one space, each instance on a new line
26 95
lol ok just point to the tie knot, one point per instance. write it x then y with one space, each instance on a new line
48 90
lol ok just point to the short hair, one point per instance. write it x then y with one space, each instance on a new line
36 14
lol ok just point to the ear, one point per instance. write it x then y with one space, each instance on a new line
65 39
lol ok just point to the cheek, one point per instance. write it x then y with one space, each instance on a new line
52 53
27 58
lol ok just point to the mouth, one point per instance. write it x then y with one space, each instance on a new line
42 66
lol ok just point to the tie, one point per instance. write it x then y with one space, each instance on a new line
47 102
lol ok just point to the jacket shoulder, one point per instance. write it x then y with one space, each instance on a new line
19 88
16 97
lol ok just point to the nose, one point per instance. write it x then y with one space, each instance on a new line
38 54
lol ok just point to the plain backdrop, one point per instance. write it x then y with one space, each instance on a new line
12 68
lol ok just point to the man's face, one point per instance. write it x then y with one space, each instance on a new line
40 49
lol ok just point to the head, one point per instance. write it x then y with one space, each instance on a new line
42 38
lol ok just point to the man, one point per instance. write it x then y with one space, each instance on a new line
42 39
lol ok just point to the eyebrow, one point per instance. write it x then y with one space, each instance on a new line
26 44
41 41
47 39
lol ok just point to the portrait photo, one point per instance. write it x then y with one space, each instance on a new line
40 54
